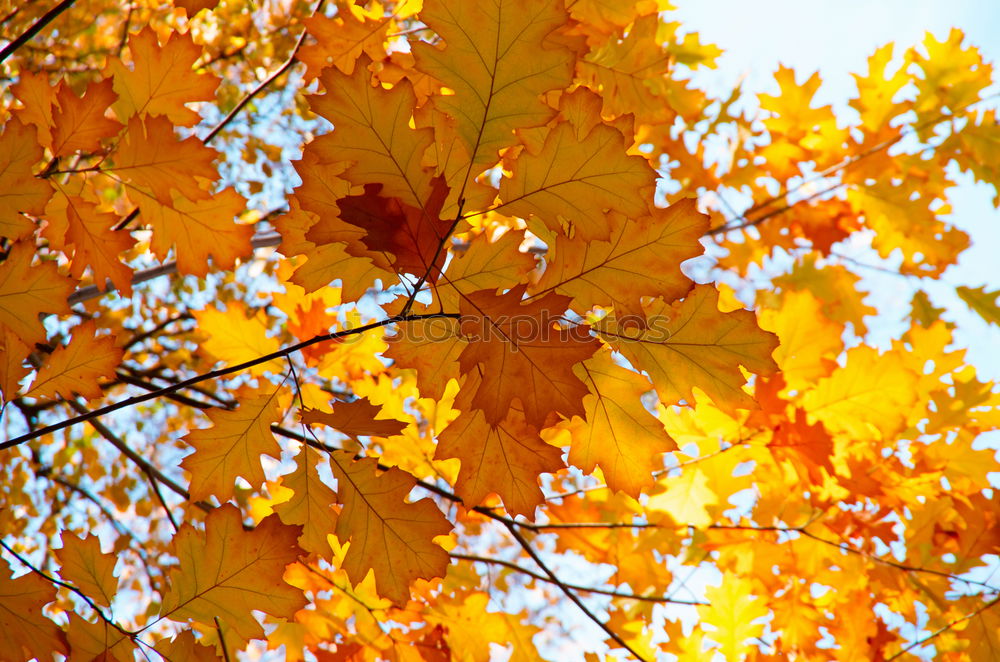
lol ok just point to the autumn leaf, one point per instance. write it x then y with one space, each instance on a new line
83 564
160 81
690 344
732 613
981 301
388 535
235 337
226 572
310 506
358 418
618 433
632 264
509 343
20 191
497 63
340 40
79 123
78 367
27 291
581 171
234 445
429 346
505 459
26 633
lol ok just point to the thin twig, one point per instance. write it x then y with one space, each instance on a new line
35 28
945 628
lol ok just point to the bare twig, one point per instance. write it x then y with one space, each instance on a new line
945 628
35 28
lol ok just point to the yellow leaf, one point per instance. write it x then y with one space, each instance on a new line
235 338
810 342
76 368
732 611
686 499
341 39
82 564
233 446
868 398
690 344
226 573
981 301
582 170
389 535
619 434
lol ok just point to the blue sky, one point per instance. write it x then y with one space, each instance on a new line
836 37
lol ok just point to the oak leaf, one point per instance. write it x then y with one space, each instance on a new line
234 337
83 564
431 347
735 615
618 433
512 344
27 291
484 264
388 535
233 446
161 81
226 573
497 63
691 344
25 633
981 301
79 124
20 191
310 505
13 353
810 342
98 641
581 171
78 367
372 131
504 459
38 97
341 39
358 418
152 158
185 647
641 258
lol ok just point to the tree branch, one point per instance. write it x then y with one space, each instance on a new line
35 28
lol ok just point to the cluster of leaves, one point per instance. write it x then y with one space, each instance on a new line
374 415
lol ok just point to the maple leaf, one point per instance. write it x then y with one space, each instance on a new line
26 633
510 343
497 63
355 419
372 132
233 446
20 191
581 171
632 264
387 534
690 344
226 572
310 505
161 81
28 291
618 433
506 458
79 123
78 367
151 157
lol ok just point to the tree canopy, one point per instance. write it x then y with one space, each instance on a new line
451 330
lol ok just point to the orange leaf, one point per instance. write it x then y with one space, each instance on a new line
642 258
310 505
27 291
79 124
355 419
227 572
581 171
20 191
83 564
161 81
39 97
78 367
690 344
185 647
233 446
151 157
341 39
429 346
25 632
389 535
522 354
13 353
506 459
